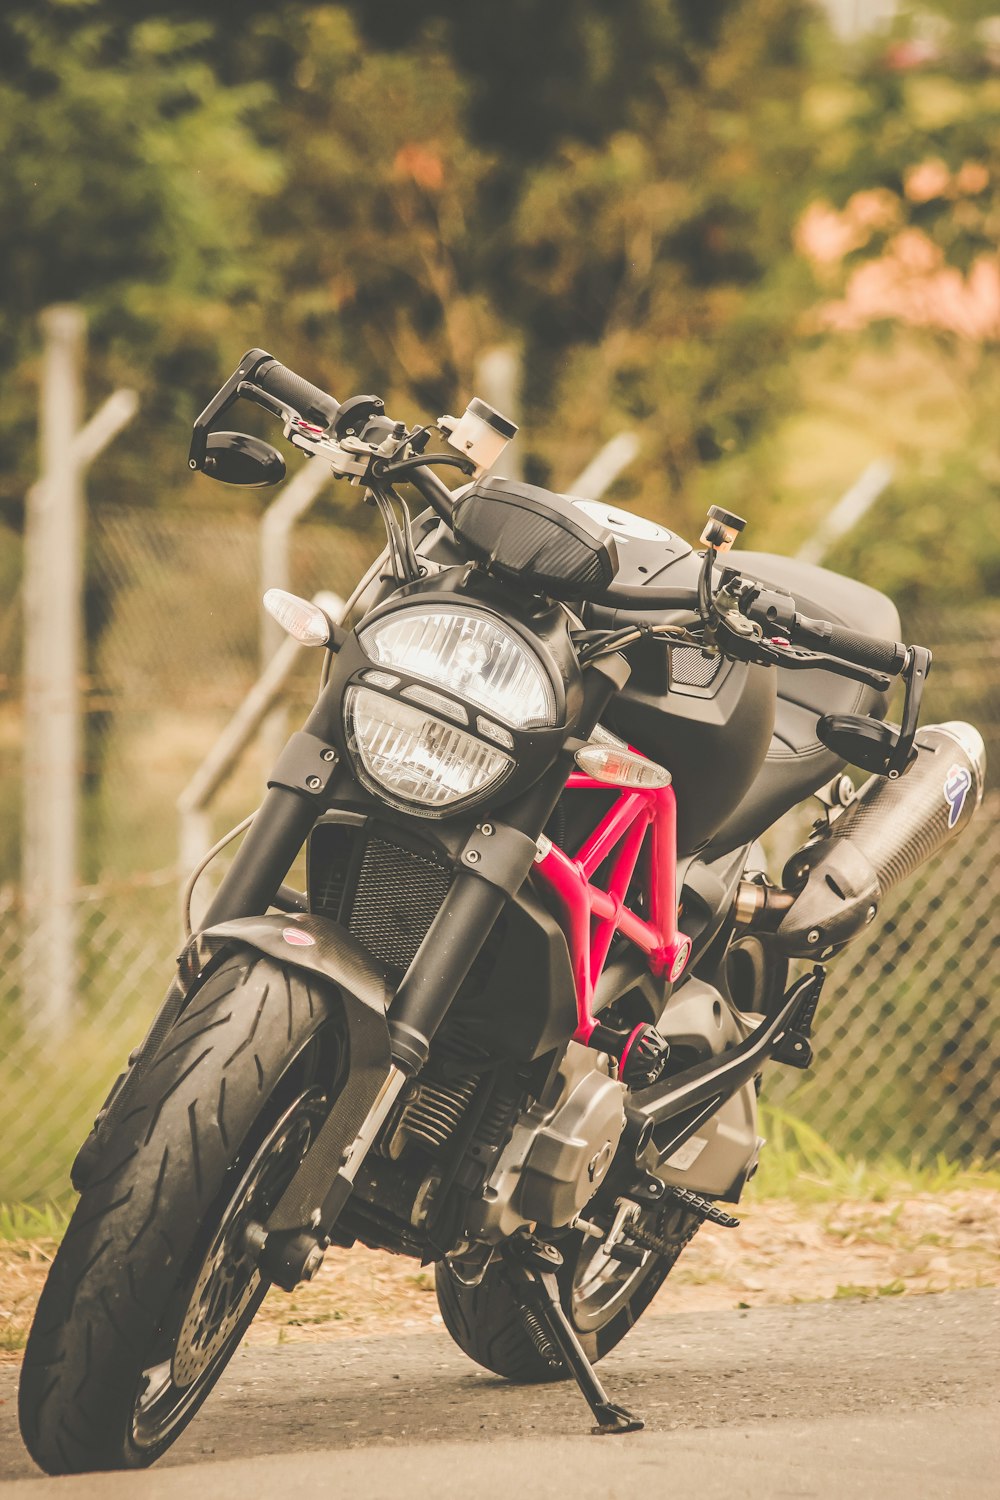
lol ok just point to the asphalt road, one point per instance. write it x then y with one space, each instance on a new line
884 1399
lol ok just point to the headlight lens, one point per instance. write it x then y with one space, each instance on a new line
431 752
414 760
475 655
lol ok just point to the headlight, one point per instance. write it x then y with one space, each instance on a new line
474 655
414 760
425 751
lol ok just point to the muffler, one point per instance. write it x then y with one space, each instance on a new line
886 831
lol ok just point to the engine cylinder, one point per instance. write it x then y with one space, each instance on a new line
885 833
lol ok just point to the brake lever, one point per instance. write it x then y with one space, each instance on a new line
914 675
743 642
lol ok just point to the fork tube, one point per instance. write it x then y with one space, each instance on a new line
468 912
265 856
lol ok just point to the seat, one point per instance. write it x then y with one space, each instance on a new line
797 764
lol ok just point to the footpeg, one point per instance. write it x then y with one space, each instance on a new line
704 1208
531 1266
793 1047
794 1050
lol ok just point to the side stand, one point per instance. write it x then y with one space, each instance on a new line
531 1266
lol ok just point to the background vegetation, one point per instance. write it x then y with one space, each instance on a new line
772 255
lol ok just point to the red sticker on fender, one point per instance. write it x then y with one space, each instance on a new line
297 938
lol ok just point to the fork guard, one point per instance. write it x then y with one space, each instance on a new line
351 978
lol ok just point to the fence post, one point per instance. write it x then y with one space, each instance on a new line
52 592
856 501
275 572
498 381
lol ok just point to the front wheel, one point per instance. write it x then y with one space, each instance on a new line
151 1290
603 1298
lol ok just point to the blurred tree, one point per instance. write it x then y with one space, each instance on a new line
903 238
615 194
130 182
378 198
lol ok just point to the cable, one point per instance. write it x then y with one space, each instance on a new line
618 639
368 578
422 460
392 533
705 586
410 553
200 868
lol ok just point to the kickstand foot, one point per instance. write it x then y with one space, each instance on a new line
613 1419
531 1265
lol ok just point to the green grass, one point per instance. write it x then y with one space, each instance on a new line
798 1163
26 1221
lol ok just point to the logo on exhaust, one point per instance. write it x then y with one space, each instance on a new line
956 789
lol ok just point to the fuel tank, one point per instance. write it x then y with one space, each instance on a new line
707 720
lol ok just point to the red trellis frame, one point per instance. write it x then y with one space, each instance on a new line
592 916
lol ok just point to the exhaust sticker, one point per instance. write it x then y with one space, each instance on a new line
956 789
296 938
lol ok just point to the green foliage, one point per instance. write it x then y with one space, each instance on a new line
374 206
379 193
798 1163
130 180
27 1221
907 175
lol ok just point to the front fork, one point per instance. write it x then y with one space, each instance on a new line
492 866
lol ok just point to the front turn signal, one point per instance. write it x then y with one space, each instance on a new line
617 766
302 618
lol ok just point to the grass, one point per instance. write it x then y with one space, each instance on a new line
864 1293
27 1221
797 1163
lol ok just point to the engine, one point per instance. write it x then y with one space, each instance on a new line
477 1151
559 1151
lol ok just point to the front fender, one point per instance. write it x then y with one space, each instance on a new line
355 980
316 944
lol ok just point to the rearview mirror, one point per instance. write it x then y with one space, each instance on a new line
238 458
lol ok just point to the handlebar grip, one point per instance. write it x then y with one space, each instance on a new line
850 645
277 380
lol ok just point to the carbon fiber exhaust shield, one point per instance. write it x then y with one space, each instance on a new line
887 831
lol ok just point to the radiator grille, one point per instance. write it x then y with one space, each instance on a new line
386 896
690 667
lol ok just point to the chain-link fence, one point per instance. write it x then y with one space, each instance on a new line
907 1030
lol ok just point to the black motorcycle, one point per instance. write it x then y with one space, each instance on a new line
516 1024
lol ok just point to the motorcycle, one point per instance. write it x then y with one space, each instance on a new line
516 1024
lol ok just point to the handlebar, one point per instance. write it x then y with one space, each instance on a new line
312 403
850 645
621 605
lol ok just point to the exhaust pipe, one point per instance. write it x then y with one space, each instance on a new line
884 834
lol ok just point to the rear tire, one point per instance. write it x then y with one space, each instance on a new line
487 1323
147 1299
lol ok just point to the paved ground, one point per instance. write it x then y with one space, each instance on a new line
890 1398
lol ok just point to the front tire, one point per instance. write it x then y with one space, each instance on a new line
150 1294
